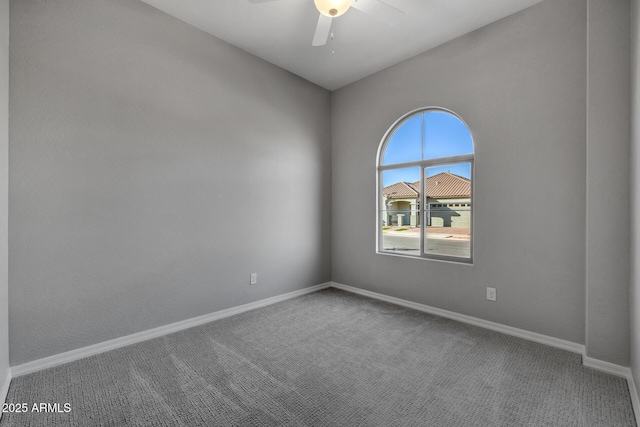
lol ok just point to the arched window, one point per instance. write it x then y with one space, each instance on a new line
425 187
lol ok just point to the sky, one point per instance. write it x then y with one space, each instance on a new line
444 135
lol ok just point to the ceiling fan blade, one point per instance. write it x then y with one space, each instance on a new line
380 11
322 30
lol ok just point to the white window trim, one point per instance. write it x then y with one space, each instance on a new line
423 164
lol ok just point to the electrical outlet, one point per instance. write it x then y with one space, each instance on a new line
254 278
491 294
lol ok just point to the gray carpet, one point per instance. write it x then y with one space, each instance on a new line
327 359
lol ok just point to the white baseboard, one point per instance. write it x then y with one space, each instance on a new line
589 362
620 371
4 388
633 391
607 367
70 356
509 330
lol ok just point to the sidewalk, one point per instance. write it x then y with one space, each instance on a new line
457 233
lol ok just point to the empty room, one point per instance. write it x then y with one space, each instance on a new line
319 212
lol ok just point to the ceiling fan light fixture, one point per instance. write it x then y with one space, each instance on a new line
333 8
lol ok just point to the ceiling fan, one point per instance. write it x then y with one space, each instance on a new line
330 9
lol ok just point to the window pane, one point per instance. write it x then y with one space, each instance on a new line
445 135
405 144
448 210
427 138
400 211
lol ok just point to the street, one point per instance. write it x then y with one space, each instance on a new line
410 245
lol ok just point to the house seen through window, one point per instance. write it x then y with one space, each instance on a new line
425 172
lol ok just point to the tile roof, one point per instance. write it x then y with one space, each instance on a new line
444 184
401 190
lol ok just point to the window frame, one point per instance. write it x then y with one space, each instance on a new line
423 165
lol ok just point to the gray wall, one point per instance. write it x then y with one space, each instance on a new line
607 256
634 297
4 188
153 168
520 85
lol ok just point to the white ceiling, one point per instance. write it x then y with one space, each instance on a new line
281 32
